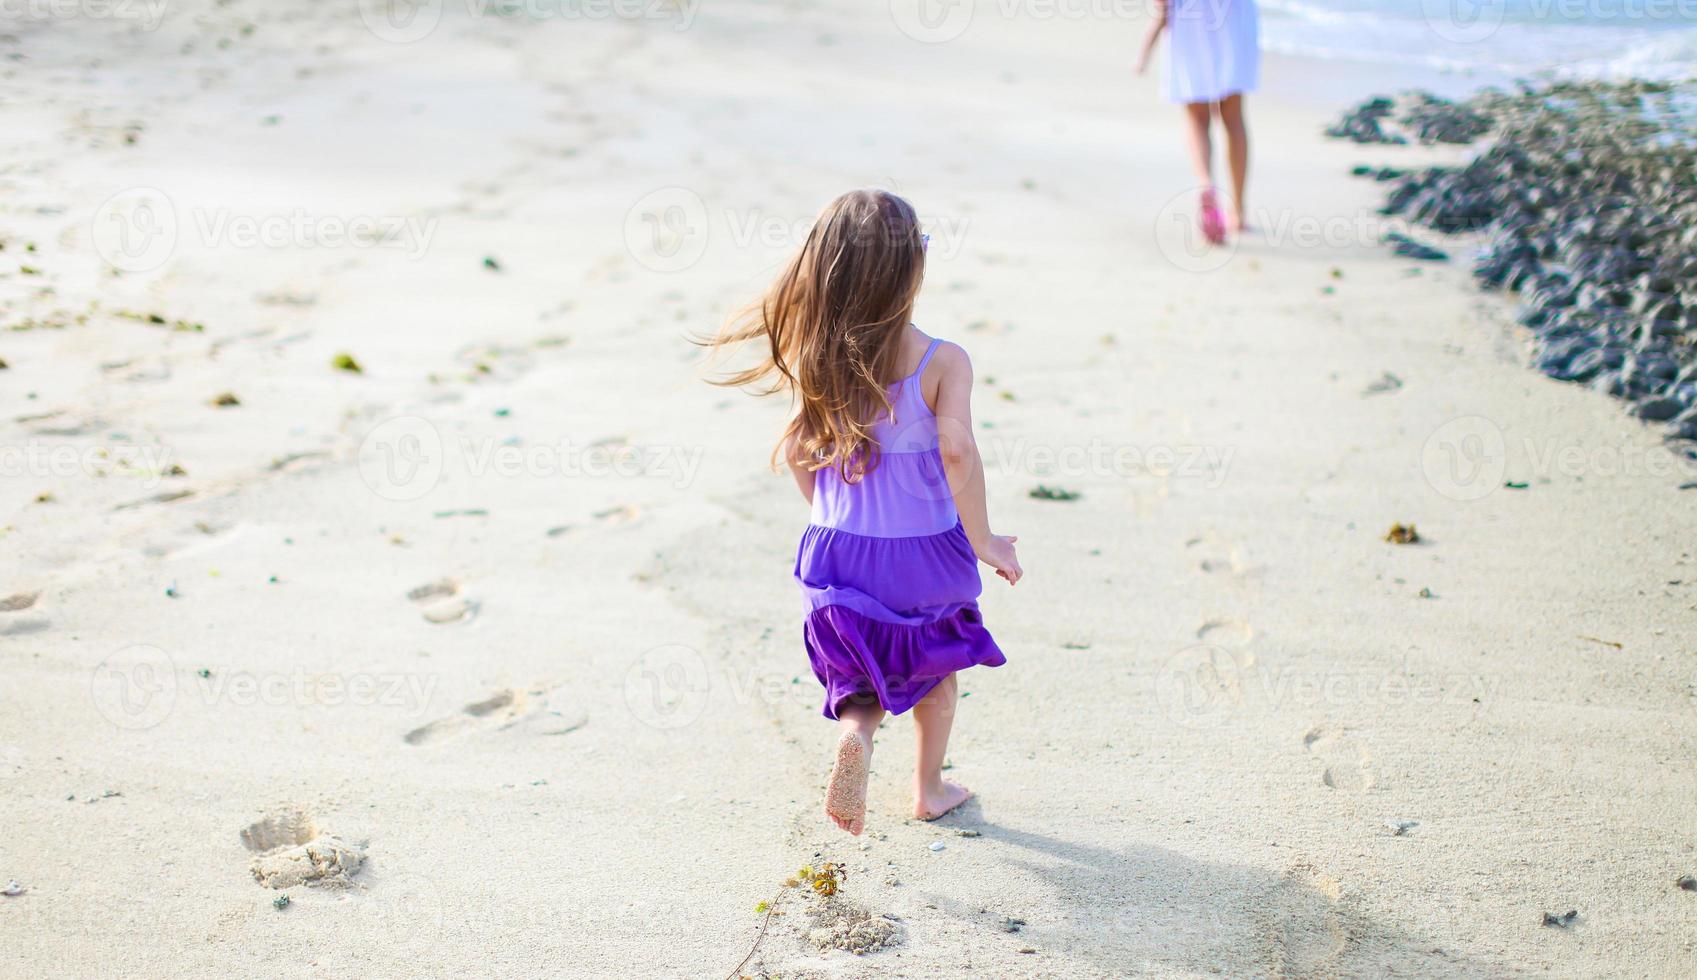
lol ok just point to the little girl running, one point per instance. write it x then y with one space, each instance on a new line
882 448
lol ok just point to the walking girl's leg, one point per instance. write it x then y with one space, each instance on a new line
933 717
845 794
1197 116
1237 156
1196 125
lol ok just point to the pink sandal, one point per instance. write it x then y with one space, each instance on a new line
1213 225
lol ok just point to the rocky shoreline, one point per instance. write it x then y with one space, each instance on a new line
1586 194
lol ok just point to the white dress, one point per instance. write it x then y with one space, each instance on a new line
1213 49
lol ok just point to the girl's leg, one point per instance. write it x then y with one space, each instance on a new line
933 717
1196 120
1237 156
845 794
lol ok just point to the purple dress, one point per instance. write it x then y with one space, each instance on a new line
889 580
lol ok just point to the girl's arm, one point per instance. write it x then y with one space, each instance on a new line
1152 36
802 475
963 466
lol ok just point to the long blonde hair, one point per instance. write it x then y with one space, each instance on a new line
833 324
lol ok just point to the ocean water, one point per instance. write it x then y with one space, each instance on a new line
1612 39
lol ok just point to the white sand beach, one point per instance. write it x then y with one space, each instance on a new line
501 626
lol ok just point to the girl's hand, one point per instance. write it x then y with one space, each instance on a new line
998 553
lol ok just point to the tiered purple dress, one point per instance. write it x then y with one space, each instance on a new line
889 580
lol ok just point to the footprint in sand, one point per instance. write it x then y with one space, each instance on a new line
18 601
500 710
1348 766
289 849
1219 556
1303 933
546 711
1225 633
443 603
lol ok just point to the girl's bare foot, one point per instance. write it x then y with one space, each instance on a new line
845 794
931 804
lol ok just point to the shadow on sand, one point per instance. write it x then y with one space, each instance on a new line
1145 909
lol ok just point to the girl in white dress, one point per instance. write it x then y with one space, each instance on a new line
1213 59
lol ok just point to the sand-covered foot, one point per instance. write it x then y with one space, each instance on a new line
931 805
845 794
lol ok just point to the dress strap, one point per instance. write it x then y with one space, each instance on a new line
920 370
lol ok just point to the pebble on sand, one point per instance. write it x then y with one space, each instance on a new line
1561 921
1402 534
